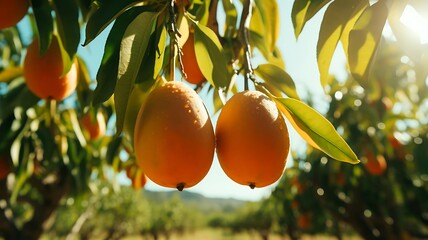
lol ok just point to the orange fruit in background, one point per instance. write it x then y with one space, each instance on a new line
190 65
341 179
399 150
95 126
5 167
12 11
304 221
174 137
252 139
136 176
44 74
375 165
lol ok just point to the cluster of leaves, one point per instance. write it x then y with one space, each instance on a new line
141 47
318 195
43 145
385 118
357 25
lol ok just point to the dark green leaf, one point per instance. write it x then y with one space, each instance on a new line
102 13
43 15
84 6
107 73
18 96
153 58
67 19
83 90
113 149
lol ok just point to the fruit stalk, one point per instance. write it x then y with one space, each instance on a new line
174 34
51 107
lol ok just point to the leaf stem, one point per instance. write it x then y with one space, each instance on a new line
244 26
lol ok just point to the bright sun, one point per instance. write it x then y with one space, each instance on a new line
414 21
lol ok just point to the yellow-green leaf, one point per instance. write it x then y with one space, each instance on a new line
270 21
8 74
210 57
351 22
303 11
364 39
231 18
333 24
275 76
316 129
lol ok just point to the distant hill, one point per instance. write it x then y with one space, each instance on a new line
205 204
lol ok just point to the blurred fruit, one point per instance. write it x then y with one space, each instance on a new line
252 139
12 11
95 126
375 165
5 167
137 177
340 179
398 148
295 204
387 103
295 183
304 221
193 72
173 137
44 74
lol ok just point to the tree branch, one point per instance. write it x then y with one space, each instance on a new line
244 26
212 17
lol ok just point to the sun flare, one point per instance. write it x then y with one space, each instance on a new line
417 23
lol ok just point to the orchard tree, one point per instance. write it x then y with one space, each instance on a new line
385 123
49 107
254 217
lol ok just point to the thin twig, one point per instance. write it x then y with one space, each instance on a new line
174 35
244 26
212 17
